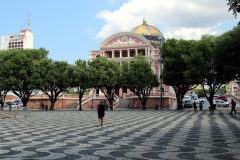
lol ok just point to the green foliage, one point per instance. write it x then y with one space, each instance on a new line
16 71
234 6
82 79
139 78
200 92
72 92
181 66
53 78
212 74
228 51
222 90
105 76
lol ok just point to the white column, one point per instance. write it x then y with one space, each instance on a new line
128 52
113 54
120 53
136 51
146 52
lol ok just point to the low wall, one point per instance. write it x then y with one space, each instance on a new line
72 103
135 103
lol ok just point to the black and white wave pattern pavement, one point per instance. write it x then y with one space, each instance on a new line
139 135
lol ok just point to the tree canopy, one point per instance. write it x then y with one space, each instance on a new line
16 71
139 78
213 74
228 57
234 6
53 78
82 79
180 66
106 77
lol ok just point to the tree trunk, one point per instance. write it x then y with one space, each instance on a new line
179 102
52 104
144 102
25 101
111 103
80 102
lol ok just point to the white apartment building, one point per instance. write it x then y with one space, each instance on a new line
233 88
24 40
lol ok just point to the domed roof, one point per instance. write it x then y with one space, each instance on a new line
146 29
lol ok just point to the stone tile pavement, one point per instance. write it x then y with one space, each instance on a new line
125 135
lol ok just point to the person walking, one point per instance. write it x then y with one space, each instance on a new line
42 105
101 112
233 105
200 105
194 105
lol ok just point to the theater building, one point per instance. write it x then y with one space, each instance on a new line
122 47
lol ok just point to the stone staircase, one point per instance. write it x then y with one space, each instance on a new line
123 104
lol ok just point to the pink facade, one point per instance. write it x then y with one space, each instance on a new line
122 47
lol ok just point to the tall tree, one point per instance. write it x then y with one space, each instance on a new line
106 77
138 76
234 6
213 75
3 88
16 71
229 53
53 78
178 56
82 79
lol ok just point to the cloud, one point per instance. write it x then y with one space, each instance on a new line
186 19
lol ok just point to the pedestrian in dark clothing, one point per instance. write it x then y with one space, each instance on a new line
200 105
101 112
42 105
233 105
194 105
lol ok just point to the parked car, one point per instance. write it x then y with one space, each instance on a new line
186 98
221 102
188 103
197 100
224 98
214 96
18 102
9 104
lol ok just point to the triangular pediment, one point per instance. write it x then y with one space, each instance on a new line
124 39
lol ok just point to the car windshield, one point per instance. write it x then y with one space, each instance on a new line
186 97
12 103
188 101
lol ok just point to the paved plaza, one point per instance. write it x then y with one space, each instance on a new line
126 134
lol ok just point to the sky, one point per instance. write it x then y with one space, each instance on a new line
70 29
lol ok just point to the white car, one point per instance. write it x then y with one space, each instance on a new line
186 98
198 100
220 103
10 105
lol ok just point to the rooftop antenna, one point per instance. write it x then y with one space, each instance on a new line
29 22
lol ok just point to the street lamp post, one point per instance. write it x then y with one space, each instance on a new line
160 60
